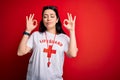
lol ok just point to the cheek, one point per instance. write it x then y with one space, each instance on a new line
44 21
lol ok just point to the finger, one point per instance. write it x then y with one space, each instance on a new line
68 16
32 16
74 19
26 18
35 23
65 22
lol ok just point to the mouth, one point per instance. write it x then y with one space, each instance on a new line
49 23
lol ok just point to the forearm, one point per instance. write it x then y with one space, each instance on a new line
22 49
72 51
31 24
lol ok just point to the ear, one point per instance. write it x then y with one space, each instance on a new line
57 20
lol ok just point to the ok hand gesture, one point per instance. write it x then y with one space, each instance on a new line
70 22
31 23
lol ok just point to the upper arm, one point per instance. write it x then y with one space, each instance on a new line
66 44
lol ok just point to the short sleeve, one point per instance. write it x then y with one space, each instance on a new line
30 41
67 40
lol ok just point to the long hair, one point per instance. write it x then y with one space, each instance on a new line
58 25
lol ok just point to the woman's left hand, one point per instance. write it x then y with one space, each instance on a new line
70 22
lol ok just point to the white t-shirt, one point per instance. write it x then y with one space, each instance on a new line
37 67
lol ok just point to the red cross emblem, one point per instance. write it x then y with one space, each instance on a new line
49 51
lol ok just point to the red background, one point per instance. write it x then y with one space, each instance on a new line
97 33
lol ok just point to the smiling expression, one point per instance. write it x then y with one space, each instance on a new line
49 18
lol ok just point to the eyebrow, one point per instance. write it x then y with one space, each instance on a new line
48 14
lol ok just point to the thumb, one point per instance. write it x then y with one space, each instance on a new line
35 23
65 22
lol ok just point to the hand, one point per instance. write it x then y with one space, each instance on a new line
70 22
31 23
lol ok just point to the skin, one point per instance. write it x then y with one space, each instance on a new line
49 20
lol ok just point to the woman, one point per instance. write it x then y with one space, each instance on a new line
48 45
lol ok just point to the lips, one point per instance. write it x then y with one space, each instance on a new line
49 23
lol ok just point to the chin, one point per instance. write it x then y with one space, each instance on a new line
49 26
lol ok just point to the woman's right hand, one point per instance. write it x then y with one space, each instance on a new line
31 23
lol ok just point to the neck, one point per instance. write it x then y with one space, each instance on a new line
53 31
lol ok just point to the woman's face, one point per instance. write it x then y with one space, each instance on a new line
49 19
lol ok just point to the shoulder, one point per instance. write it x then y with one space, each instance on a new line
36 33
64 36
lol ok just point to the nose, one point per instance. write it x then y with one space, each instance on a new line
48 18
